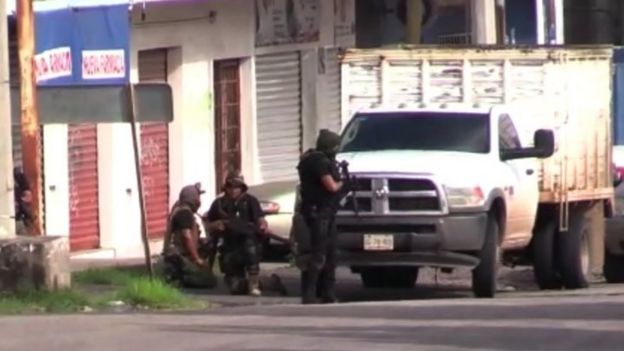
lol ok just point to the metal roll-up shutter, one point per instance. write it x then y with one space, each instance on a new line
331 105
13 55
155 149
15 82
16 140
278 89
84 221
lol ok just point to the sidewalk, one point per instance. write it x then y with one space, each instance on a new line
113 258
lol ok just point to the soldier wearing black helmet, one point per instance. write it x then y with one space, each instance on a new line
321 188
237 219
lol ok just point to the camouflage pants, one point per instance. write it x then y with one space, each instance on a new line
237 261
181 269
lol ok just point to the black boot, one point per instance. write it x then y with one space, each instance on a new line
308 287
326 287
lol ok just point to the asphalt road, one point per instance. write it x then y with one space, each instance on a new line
434 285
530 323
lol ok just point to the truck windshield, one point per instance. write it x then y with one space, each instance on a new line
417 131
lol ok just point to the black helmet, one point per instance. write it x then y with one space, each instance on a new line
327 141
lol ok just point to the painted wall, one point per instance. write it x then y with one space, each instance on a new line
196 34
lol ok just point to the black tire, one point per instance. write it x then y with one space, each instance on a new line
484 276
389 277
545 264
613 269
574 251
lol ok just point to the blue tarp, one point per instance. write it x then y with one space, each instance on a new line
618 97
83 46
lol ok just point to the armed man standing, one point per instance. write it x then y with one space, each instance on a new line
321 190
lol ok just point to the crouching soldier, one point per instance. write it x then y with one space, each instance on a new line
237 219
186 256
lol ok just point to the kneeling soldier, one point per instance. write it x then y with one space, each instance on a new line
237 218
185 256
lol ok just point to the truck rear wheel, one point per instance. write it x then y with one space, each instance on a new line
389 277
545 264
613 269
484 276
573 253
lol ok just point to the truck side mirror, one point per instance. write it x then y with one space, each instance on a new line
544 147
544 140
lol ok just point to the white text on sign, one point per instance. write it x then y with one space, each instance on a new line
103 64
53 63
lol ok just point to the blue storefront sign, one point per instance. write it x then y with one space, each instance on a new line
82 66
83 46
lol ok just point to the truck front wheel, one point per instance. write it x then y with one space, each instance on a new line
574 251
484 276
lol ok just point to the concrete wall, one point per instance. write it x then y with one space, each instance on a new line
196 34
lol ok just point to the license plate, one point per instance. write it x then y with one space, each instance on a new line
378 242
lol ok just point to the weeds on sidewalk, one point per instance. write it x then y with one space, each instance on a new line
130 288
108 276
43 301
155 294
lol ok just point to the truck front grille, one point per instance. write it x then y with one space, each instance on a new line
414 204
363 204
410 185
388 195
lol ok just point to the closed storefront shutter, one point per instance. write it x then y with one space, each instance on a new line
84 225
278 89
155 149
15 82
16 134
331 104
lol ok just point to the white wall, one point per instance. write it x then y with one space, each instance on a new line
196 35
56 179
194 41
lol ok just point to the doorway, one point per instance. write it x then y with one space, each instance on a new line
227 119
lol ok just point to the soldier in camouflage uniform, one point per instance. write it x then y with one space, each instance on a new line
237 219
186 255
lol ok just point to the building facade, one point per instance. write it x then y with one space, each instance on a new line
252 83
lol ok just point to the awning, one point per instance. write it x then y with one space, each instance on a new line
83 66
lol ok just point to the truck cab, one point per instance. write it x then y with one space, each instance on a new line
441 187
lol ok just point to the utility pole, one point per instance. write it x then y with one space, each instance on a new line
7 209
31 135
414 14
483 21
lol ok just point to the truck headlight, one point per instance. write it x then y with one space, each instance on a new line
464 197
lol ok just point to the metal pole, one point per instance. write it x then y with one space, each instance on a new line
31 135
139 175
483 21
7 209
414 14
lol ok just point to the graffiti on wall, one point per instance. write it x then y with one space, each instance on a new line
280 22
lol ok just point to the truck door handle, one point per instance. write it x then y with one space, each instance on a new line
530 171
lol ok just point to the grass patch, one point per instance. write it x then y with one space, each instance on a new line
62 301
109 276
131 286
155 294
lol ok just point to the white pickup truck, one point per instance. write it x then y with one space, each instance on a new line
473 158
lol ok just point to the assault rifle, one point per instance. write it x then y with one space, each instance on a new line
349 187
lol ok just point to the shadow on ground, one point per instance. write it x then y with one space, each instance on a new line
431 285
445 328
